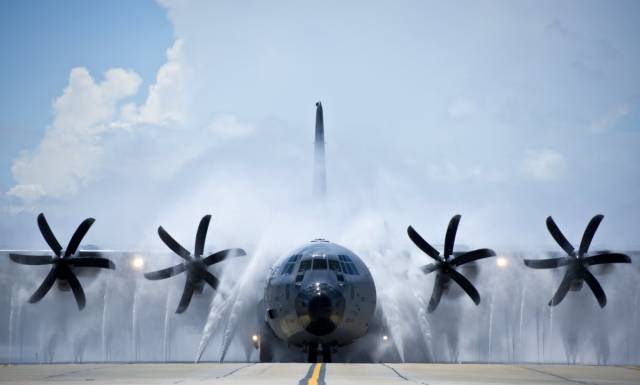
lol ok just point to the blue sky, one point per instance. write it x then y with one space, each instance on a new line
44 40
504 112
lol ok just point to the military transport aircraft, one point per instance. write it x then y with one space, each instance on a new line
320 297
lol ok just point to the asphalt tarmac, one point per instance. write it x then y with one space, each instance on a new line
316 374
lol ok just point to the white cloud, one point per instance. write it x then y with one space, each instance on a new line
27 192
544 164
166 101
85 105
72 146
227 126
611 118
379 108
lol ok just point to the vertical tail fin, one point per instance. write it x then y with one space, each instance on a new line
319 170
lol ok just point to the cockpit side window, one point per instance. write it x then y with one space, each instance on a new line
319 264
304 266
291 263
334 265
347 265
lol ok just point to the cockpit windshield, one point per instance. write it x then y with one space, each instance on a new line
304 266
291 263
319 264
347 265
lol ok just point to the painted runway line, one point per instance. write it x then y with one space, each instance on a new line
315 375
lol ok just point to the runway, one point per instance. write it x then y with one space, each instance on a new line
317 374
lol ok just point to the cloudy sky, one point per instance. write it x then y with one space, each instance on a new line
141 113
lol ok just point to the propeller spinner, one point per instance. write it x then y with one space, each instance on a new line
445 266
63 261
577 263
195 266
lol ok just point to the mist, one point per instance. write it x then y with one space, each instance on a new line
503 113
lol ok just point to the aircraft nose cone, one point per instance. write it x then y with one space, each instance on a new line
320 308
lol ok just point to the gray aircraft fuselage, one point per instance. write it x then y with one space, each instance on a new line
321 293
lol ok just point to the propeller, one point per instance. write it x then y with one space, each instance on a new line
445 266
194 265
577 263
63 261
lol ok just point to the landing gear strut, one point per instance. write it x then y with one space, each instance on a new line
313 353
326 353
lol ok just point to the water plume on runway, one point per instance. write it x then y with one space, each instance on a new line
260 199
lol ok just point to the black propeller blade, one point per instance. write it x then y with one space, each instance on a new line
45 286
436 295
63 264
31 259
46 232
173 244
195 266
560 238
77 236
445 266
563 289
577 263
187 293
589 232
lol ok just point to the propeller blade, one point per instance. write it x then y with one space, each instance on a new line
102 263
607 258
589 232
465 285
595 287
45 286
80 232
222 255
201 235
548 263
31 259
165 273
76 288
559 237
173 245
430 268
473 256
563 289
450 237
46 232
438 289
186 297
210 279
423 245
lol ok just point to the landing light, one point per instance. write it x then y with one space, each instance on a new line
137 263
385 338
502 262
255 341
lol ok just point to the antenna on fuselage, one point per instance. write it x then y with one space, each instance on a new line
319 170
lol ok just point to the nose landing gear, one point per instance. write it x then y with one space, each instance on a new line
316 349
